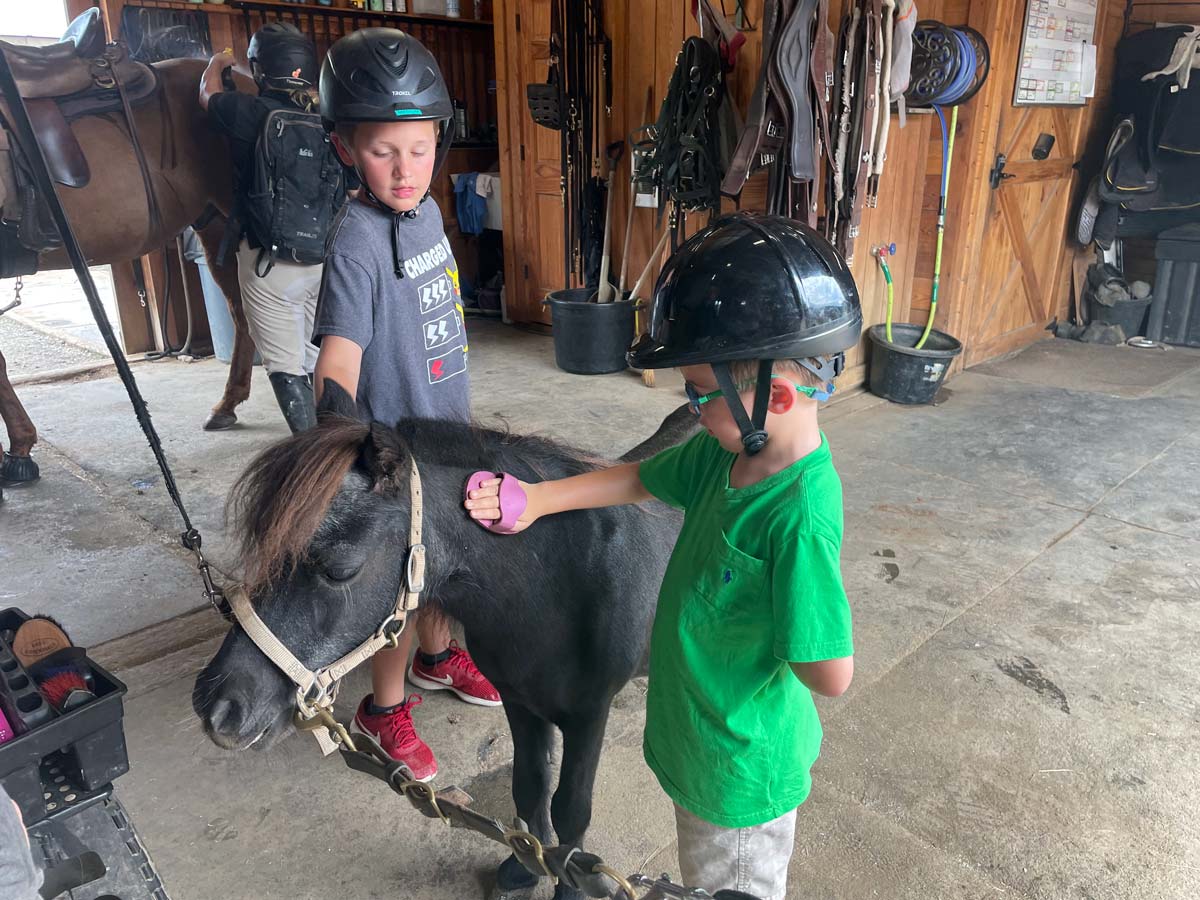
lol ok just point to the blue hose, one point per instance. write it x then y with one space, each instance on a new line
956 88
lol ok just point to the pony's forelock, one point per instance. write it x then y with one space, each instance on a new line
278 503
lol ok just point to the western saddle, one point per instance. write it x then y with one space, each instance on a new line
81 75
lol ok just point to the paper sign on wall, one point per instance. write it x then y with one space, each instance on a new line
1057 64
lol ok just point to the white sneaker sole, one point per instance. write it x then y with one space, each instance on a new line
356 728
431 685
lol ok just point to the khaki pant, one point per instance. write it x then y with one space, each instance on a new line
279 310
753 860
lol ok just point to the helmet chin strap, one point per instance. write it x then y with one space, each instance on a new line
754 435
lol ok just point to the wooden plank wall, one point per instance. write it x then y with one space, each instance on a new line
647 36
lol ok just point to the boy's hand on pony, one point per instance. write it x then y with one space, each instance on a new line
488 499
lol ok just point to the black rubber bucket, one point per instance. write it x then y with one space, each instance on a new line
1129 314
589 338
904 375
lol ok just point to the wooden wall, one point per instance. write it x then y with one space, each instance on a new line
647 36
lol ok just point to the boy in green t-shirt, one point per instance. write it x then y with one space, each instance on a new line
752 617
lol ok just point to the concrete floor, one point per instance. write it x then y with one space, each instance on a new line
53 300
1024 565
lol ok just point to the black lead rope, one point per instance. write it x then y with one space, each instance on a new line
190 538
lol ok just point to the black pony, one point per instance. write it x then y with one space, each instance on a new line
556 617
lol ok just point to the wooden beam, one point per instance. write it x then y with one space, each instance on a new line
1014 223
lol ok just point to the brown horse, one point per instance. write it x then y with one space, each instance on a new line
191 171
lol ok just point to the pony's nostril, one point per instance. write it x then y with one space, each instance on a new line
225 716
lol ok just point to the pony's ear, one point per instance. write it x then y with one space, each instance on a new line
384 458
337 400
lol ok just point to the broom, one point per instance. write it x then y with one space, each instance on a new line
648 374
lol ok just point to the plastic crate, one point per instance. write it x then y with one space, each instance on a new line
82 750
106 829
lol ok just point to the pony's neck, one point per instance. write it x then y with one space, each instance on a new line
450 543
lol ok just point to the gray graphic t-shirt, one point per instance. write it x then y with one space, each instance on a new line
410 329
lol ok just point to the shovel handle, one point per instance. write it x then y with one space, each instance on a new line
640 283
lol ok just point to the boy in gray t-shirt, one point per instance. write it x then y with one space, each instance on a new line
410 329
389 318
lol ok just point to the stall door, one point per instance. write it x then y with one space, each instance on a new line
1021 256
534 254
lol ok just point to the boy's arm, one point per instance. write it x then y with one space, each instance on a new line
340 359
210 81
812 615
616 486
829 677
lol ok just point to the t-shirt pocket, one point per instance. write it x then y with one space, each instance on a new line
728 577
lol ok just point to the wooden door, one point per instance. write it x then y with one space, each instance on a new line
1020 279
529 162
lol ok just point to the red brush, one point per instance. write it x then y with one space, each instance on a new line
64 679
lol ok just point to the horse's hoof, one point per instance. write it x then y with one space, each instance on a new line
219 421
521 883
18 469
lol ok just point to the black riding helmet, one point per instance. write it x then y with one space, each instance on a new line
752 287
386 75
282 58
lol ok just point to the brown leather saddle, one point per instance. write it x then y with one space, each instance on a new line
79 76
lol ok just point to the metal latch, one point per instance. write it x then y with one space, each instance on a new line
998 174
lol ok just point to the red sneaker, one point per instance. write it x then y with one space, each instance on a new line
398 737
457 673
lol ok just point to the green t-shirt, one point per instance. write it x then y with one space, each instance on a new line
753 584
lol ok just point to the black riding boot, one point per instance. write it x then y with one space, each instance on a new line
295 397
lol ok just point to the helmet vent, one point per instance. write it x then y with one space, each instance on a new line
364 79
428 80
393 57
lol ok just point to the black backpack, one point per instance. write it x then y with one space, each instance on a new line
298 185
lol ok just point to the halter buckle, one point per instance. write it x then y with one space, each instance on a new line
414 569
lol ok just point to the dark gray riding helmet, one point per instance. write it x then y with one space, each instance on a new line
282 58
752 287
383 75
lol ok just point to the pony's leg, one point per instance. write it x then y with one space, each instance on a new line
571 809
533 739
17 467
237 383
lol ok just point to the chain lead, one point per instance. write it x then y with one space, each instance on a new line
16 301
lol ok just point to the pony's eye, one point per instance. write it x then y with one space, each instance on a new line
341 573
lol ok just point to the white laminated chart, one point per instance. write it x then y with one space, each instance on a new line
1057 65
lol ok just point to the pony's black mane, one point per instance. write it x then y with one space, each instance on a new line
280 500
474 446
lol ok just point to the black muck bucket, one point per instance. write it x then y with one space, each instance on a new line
589 338
904 375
